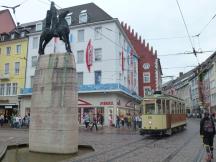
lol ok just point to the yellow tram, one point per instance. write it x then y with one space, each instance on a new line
162 114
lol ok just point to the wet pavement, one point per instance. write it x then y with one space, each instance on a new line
126 145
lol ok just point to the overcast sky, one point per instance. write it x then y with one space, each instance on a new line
159 22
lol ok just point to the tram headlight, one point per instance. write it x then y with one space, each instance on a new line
150 122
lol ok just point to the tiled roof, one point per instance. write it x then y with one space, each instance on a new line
95 14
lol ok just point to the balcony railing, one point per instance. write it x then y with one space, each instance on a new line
4 76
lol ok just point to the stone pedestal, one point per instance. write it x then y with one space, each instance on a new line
54 110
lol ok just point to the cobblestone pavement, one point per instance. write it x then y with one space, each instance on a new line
123 145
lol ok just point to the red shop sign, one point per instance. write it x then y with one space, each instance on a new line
106 103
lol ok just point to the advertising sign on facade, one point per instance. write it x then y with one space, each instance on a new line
89 55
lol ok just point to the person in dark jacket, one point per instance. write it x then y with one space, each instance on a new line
207 131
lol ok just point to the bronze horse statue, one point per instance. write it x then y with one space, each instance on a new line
61 30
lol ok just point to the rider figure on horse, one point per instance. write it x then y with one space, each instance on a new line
54 20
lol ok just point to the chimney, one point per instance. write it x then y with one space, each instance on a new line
136 36
180 74
125 26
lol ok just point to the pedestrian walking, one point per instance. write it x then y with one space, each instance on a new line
94 123
117 121
101 120
207 132
86 120
129 121
1 120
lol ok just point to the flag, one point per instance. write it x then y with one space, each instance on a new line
89 55
122 60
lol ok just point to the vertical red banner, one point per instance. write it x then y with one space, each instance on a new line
122 60
89 55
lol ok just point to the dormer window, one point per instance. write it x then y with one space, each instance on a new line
83 17
68 19
12 36
22 34
2 38
39 26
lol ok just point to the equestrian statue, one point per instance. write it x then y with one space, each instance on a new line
55 27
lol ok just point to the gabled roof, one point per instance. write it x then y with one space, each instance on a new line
8 24
95 14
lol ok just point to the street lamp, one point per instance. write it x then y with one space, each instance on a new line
134 100
19 101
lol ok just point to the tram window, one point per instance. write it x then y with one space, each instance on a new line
167 107
150 108
159 108
173 108
163 106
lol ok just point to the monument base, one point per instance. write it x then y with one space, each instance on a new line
54 111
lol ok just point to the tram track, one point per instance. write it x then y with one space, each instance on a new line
173 154
116 149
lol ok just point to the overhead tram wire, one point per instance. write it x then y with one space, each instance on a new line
194 51
205 26
170 54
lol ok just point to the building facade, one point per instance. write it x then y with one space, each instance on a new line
106 62
13 54
8 24
149 67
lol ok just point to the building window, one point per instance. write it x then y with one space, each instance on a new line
2 38
83 17
14 92
17 67
32 79
146 77
97 77
18 49
147 90
38 26
68 19
8 89
80 57
35 43
98 54
12 36
120 38
97 32
8 51
7 68
2 89
80 78
22 34
80 35
34 61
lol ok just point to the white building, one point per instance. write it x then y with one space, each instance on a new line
108 82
